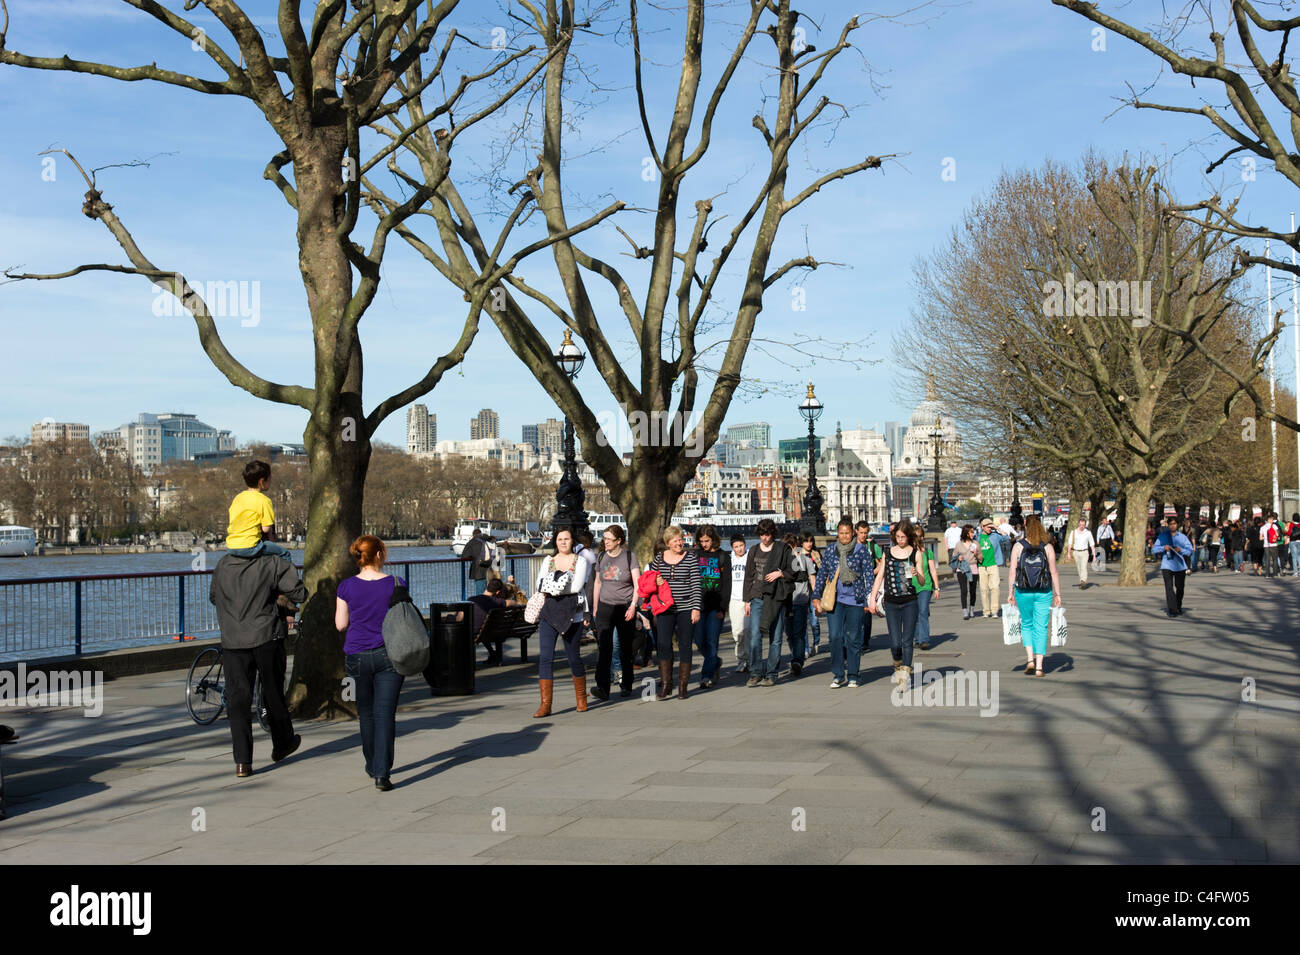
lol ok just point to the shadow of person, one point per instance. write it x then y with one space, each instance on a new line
494 746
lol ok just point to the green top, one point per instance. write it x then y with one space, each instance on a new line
924 582
987 557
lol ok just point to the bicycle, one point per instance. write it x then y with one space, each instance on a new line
205 690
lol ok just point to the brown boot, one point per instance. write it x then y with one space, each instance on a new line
580 690
548 687
683 677
665 680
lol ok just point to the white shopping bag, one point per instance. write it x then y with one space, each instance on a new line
1058 630
1010 624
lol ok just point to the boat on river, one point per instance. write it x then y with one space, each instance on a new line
17 541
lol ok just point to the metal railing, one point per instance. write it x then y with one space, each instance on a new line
55 616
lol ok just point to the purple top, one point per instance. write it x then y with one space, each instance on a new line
367 602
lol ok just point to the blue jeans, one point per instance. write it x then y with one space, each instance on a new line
797 631
1238 558
775 630
261 547
902 629
707 631
816 629
845 625
378 686
1294 547
923 598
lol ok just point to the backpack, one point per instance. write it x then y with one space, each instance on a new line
1272 533
405 636
1032 573
1293 532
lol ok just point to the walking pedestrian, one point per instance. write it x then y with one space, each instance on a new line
800 603
737 604
244 591
895 585
360 605
863 531
965 560
1269 537
1082 547
614 612
848 564
1237 545
990 547
563 579
475 551
715 597
1215 546
1256 544
679 568
811 552
927 587
1293 543
1105 544
1175 549
1035 587
769 578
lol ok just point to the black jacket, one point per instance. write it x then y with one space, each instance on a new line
779 558
244 590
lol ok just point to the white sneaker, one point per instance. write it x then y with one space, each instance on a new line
852 683
835 684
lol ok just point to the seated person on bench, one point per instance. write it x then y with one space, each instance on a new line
492 598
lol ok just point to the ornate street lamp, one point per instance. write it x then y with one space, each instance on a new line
814 521
569 496
934 522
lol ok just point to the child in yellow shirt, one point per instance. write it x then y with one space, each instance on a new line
252 519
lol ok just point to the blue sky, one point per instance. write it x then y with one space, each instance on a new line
991 84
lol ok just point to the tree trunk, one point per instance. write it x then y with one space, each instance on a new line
647 504
1097 499
338 475
1133 556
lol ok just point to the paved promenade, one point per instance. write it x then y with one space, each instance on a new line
1140 718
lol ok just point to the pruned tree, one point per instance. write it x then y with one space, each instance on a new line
1252 91
670 319
330 80
1140 397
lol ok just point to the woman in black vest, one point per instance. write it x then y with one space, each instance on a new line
894 589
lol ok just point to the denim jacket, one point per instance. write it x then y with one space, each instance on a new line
862 563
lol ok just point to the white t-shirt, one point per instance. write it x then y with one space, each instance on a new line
1081 540
738 576
1005 529
1105 532
951 536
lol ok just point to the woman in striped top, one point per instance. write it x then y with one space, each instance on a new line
680 569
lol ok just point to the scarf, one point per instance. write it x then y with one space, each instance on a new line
847 573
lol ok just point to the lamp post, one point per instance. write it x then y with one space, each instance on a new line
1016 510
569 496
814 521
934 521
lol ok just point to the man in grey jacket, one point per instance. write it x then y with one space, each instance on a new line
245 591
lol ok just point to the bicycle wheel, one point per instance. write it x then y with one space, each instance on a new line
259 704
205 690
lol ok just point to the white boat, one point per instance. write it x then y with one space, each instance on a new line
508 532
17 541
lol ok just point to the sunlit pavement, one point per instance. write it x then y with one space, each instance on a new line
1149 740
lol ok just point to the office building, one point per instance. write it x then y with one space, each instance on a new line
49 430
755 434
421 430
485 425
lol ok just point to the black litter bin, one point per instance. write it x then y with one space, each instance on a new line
451 657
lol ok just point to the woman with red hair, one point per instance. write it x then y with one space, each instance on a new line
360 605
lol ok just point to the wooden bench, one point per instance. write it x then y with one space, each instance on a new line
507 623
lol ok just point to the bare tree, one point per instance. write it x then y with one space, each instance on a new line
1251 91
334 78
669 323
